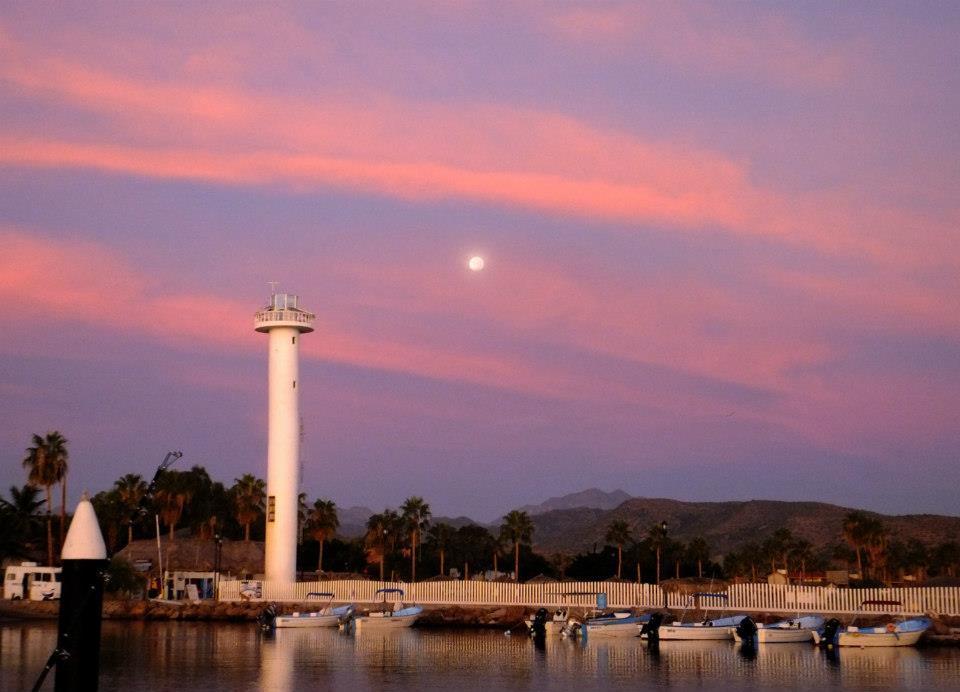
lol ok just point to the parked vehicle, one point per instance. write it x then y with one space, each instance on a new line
31 582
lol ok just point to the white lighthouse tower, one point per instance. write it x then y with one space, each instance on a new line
284 321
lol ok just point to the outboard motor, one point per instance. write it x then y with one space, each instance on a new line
267 619
651 628
830 630
539 626
747 631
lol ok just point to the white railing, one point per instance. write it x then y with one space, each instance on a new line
740 597
283 316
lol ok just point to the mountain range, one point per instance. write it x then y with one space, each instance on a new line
578 522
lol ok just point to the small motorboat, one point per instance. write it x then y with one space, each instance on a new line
709 629
328 616
798 629
900 631
621 624
389 616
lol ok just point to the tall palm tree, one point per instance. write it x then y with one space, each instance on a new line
173 492
658 540
618 533
698 550
801 552
854 534
58 456
516 528
132 489
875 537
249 493
42 473
322 523
381 536
416 516
439 537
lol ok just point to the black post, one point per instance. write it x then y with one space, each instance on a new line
81 604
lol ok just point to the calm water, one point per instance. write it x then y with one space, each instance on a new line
141 656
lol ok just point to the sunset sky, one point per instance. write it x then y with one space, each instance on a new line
721 244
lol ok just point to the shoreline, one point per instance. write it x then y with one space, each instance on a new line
946 631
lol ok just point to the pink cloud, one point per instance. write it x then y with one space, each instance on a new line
511 156
706 39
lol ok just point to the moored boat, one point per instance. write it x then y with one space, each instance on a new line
398 616
709 629
798 629
620 624
327 616
900 631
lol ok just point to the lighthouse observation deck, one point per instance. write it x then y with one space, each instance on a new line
284 311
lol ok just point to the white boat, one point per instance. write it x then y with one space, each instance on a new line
327 616
798 629
620 625
717 629
897 632
710 629
388 618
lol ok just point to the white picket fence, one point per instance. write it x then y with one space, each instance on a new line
740 597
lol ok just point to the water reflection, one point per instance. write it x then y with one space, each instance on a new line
190 656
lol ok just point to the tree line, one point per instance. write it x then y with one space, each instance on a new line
405 543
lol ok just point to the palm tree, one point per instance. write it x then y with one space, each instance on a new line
698 550
381 534
58 456
875 536
322 523
657 538
132 489
42 474
516 528
853 534
416 516
801 552
172 494
439 537
248 493
19 522
618 533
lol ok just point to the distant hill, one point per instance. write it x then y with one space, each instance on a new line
575 523
353 521
725 525
592 498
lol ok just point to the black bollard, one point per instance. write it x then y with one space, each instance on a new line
81 603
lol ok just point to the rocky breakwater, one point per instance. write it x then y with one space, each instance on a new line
136 609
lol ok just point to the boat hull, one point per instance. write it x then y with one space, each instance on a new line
328 617
307 620
780 636
618 630
367 622
397 619
865 639
694 633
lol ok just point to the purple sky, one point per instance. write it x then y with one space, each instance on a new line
721 242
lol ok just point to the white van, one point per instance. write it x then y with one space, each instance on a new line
28 580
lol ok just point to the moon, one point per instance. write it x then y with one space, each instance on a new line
475 263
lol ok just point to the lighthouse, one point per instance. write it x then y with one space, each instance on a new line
284 321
